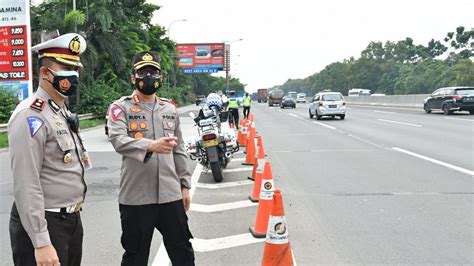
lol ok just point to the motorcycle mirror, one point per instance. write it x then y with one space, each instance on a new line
192 115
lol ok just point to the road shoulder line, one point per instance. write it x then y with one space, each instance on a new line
454 167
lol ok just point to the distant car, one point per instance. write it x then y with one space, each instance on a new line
450 99
327 104
288 102
301 98
200 99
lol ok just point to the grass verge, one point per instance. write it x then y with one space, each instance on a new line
91 123
3 140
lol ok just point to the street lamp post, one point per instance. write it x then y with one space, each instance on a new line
171 24
227 61
174 61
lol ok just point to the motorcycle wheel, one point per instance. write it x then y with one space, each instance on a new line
217 171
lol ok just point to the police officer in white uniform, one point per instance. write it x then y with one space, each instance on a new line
155 180
48 161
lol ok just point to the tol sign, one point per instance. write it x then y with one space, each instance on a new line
15 47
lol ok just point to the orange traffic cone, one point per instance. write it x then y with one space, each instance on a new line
250 117
250 150
257 151
241 136
277 250
258 176
243 142
264 204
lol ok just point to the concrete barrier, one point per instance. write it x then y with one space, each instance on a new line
410 101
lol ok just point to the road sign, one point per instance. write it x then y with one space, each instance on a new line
15 47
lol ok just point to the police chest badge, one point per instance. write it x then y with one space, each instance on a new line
67 158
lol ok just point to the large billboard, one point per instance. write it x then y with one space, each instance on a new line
15 47
201 57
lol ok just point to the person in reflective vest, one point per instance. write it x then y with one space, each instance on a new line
247 102
233 108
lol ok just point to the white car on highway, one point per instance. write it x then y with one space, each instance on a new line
301 98
327 104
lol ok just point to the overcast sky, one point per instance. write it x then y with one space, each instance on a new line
294 39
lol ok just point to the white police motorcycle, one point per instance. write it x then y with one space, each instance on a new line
216 140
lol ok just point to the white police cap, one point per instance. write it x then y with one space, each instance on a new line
65 49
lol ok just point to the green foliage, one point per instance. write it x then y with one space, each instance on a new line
98 96
398 68
9 101
74 18
115 31
464 73
3 140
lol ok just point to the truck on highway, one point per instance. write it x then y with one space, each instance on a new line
292 94
262 95
275 97
359 92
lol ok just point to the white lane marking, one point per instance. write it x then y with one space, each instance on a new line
461 119
366 141
238 160
195 178
224 185
324 125
293 255
239 152
223 206
162 258
293 115
238 170
204 245
401 123
348 150
384 112
314 151
457 168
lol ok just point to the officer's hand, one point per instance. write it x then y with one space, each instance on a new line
46 256
186 199
163 145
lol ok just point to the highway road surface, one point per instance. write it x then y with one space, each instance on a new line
383 186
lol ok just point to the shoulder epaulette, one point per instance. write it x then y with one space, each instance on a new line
38 104
124 98
136 98
164 99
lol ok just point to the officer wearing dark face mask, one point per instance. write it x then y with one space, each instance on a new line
155 180
48 161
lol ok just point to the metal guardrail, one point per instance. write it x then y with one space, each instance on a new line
3 127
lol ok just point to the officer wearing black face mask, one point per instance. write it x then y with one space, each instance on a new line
155 179
48 161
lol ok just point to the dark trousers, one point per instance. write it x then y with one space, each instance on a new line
138 224
65 232
235 116
246 111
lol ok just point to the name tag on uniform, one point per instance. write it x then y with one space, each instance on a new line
137 117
